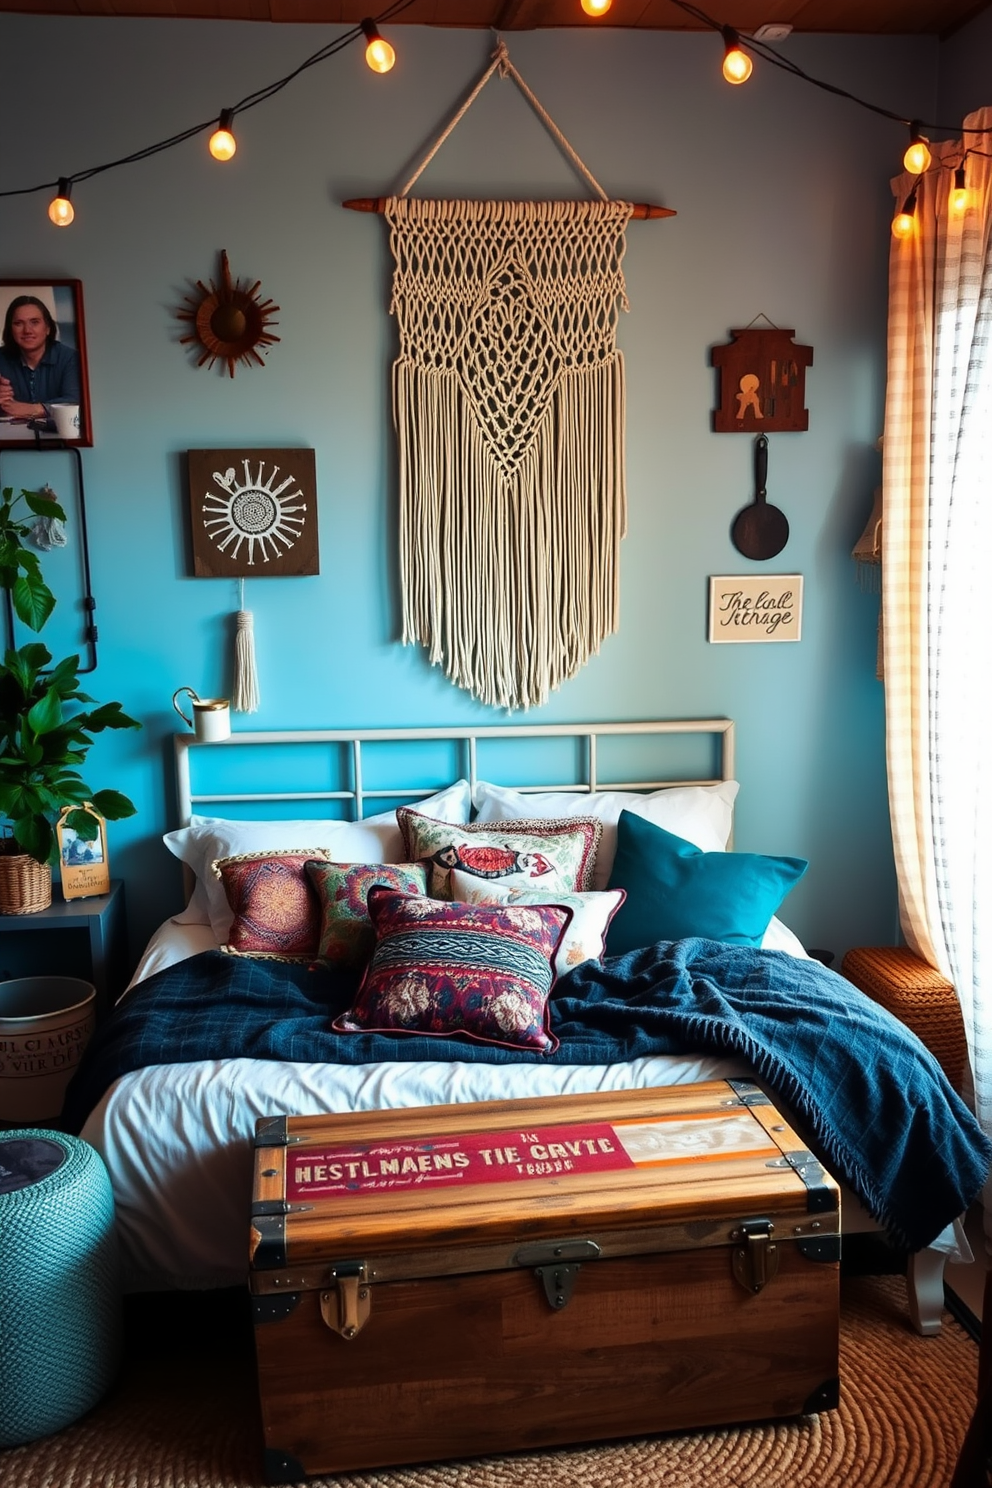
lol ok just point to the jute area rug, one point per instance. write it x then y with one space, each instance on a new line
184 1415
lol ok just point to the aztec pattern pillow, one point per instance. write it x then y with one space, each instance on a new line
273 904
675 891
585 935
346 934
559 856
482 972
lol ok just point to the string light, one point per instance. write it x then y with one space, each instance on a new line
917 157
959 193
222 144
596 7
378 53
737 65
904 222
60 208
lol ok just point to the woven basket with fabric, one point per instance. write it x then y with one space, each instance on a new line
916 994
25 884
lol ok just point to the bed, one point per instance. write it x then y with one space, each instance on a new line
205 1040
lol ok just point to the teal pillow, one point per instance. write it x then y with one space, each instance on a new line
674 890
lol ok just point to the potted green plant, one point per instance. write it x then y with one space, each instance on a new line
47 724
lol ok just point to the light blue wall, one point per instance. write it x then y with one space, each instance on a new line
783 208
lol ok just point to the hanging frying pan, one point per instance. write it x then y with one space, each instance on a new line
760 530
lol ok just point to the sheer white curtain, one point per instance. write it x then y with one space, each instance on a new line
937 600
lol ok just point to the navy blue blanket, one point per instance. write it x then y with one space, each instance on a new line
871 1098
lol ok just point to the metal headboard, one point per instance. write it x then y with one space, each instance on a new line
467 742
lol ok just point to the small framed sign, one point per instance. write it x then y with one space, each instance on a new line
85 867
745 608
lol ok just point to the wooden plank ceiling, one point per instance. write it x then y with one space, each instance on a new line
864 17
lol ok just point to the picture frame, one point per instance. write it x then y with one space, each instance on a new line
253 513
746 608
56 378
84 864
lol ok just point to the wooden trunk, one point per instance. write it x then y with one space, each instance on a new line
455 1280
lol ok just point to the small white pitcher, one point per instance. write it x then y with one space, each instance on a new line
211 719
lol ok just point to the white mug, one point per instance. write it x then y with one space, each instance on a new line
66 416
211 719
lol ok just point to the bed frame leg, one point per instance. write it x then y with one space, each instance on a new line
925 1283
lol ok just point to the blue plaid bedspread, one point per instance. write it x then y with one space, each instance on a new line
870 1096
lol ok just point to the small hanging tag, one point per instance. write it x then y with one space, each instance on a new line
85 867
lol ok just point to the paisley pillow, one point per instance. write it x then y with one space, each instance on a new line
346 935
481 972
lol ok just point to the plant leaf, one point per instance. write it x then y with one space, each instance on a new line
33 600
43 506
113 805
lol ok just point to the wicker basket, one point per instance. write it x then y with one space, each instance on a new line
25 884
918 996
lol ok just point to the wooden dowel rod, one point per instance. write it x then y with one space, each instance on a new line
642 210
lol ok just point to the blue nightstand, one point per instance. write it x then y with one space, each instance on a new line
79 937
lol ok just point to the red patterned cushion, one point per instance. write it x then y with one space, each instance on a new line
275 906
483 972
556 855
346 934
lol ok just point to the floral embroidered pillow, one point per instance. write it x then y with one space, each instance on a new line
585 936
557 856
346 935
273 902
481 972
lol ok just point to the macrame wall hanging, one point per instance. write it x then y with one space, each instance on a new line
509 406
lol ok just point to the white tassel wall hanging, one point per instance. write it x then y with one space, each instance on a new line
244 697
509 407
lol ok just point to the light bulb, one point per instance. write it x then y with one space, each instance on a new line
737 65
378 53
596 7
958 200
60 208
917 157
903 222
222 143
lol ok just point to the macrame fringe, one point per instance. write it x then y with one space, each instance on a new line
245 697
510 578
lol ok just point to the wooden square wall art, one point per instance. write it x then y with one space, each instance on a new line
762 382
253 513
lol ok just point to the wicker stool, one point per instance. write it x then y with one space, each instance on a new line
918 996
60 1301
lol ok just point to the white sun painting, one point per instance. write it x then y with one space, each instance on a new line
257 519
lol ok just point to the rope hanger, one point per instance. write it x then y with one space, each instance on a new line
501 63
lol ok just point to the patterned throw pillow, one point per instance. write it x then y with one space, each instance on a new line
558 856
480 971
585 935
346 934
274 904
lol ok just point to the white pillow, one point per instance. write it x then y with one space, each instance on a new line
374 839
702 814
585 934
779 937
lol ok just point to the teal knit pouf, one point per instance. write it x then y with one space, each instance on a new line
60 1300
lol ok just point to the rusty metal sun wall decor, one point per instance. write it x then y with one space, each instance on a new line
230 321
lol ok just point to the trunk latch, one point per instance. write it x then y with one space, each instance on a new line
346 1308
557 1264
755 1254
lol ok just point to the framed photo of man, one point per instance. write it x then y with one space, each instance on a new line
44 387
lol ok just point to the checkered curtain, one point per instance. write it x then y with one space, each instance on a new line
937 599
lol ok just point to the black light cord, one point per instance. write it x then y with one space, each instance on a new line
768 54
261 95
